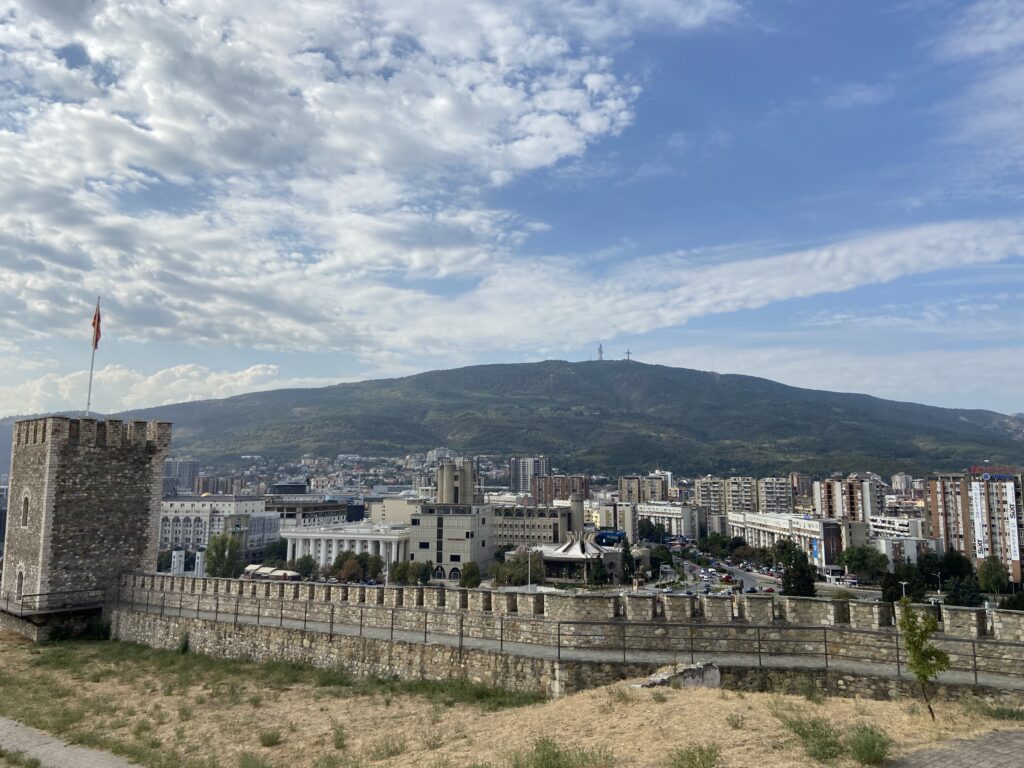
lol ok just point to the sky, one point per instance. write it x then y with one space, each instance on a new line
267 194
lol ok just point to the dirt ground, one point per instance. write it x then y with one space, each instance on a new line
164 709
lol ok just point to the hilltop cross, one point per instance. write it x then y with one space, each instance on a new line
628 353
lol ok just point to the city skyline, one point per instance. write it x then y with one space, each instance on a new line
269 197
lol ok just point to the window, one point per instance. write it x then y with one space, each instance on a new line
455 558
24 513
424 545
415 521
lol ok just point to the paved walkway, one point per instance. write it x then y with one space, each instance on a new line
1002 749
52 752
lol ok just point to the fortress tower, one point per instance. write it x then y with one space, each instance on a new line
84 503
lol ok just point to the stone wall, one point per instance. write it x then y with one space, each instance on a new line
363 656
93 490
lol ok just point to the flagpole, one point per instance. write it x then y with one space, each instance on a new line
92 361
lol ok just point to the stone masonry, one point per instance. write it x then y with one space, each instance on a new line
83 504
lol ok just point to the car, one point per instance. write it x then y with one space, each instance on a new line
750 590
769 589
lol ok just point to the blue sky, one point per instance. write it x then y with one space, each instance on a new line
824 193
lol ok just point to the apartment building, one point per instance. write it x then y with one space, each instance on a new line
636 489
774 496
709 492
740 494
522 469
855 498
544 489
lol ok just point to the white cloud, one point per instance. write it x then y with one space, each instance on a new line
116 388
853 95
940 377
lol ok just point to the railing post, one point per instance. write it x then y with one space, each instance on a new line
692 657
258 612
759 647
181 600
305 614
361 609
133 598
501 632
559 641
280 618
824 635
899 673
238 599
163 601
198 598
426 615
332 620
462 617
623 640
974 660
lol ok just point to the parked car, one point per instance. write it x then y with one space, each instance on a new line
769 589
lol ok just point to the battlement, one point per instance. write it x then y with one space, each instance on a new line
91 433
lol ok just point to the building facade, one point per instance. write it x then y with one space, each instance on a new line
522 469
390 542
544 489
190 522
709 492
740 494
774 496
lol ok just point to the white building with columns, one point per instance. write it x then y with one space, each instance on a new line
391 542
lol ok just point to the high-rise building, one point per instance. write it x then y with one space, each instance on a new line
522 469
855 498
774 496
180 473
979 513
740 494
546 488
709 493
636 489
902 483
801 484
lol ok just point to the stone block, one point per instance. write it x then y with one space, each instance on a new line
717 609
679 607
1008 625
480 601
757 609
505 603
639 607
963 622
865 615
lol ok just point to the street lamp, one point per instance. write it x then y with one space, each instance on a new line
903 585
939 575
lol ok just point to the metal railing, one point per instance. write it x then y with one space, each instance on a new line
52 602
870 651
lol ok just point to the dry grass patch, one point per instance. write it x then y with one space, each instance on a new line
172 710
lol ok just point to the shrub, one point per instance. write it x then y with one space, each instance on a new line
249 760
868 745
338 736
997 711
818 737
735 721
658 697
183 643
695 756
547 754
270 738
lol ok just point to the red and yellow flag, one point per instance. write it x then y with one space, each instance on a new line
96 326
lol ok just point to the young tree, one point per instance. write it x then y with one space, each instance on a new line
224 557
924 659
799 576
598 573
993 576
426 572
163 560
304 566
350 571
400 573
470 576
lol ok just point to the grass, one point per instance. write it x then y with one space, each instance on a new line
997 712
658 697
695 756
545 753
385 747
619 694
867 744
19 759
338 738
249 760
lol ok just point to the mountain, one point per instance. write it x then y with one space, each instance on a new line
610 417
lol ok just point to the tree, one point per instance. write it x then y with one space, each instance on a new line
470 576
163 560
598 573
350 571
892 589
1014 602
993 576
628 562
924 659
955 565
515 572
965 592
304 566
714 543
374 566
425 572
659 556
400 573
342 558
866 562
274 552
224 557
799 576
735 543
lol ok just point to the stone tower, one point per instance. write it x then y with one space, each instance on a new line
84 503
